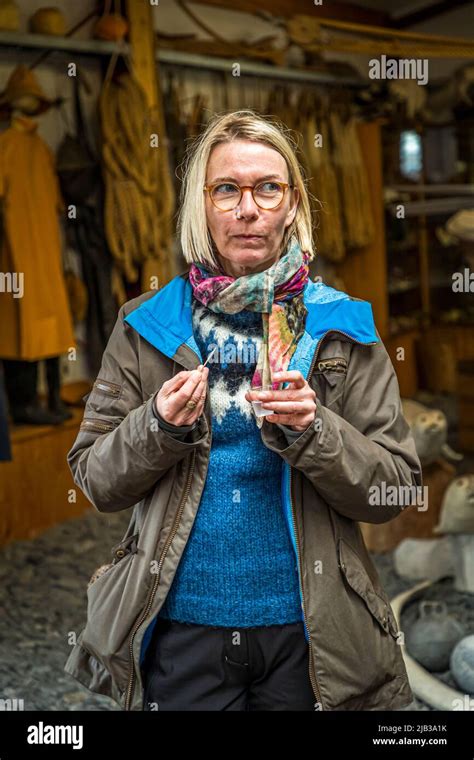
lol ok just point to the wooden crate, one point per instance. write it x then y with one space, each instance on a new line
35 485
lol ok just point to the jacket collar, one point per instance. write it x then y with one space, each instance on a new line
165 321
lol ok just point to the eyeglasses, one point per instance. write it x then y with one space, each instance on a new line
267 195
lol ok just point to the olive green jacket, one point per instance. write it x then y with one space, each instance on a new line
123 459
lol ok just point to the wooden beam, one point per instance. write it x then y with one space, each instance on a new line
142 47
365 271
425 14
336 10
146 69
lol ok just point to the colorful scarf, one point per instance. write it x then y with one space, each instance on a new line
277 292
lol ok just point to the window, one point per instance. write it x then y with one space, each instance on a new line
411 154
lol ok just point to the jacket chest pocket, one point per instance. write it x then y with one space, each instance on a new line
329 377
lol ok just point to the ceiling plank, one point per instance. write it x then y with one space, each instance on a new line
425 14
336 10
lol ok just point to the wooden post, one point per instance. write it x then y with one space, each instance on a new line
365 271
145 67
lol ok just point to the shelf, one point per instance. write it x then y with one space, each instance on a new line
193 60
463 325
20 433
92 47
403 287
445 189
408 332
60 44
396 248
441 283
433 207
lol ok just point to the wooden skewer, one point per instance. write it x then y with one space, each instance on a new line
212 352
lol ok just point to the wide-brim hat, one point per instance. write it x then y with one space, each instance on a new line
22 81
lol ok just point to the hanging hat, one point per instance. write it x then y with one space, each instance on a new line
48 21
9 16
22 81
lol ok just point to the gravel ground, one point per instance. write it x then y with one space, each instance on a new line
43 601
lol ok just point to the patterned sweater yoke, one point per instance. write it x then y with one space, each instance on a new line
238 568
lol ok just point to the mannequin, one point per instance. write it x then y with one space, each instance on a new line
39 324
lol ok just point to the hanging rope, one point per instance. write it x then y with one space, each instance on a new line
317 35
322 178
139 197
356 207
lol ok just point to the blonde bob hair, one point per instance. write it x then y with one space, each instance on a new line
197 244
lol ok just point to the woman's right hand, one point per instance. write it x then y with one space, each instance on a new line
170 402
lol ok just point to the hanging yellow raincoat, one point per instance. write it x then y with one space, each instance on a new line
37 324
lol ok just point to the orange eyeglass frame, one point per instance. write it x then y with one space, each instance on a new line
284 185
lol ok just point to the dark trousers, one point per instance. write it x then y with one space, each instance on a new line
197 667
21 380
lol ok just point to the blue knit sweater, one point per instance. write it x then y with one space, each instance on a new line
238 568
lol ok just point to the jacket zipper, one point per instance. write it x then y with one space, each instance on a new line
335 365
312 674
98 425
157 576
112 389
156 580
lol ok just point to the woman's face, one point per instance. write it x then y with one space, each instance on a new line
247 163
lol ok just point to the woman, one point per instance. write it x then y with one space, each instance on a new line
243 582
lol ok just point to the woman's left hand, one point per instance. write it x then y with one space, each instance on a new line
295 406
